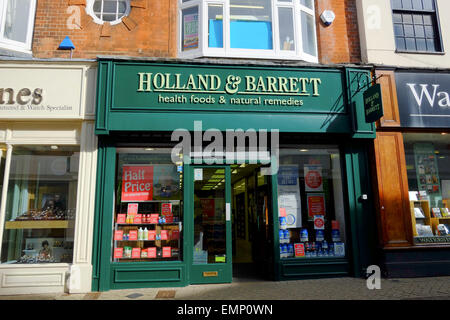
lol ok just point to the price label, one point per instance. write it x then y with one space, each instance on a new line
164 234
154 218
299 249
167 252
121 218
133 235
118 235
151 235
138 219
136 253
118 253
132 208
166 209
151 252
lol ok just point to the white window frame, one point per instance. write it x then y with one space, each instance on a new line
90 12
5 43
276 53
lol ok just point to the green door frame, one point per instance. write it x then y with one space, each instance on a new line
206 273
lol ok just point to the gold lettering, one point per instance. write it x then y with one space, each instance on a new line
315 82
143 81
283 84
159 77
261 87
250 83
304 81
293 85
202 81
271 84
191 83
215 82
178 79
168 82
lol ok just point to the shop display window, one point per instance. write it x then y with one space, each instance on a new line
311 209
428 168
40 205
148 206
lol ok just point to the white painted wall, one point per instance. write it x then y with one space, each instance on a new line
377 37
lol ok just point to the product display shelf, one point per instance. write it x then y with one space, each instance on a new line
425 206
143 244
37 224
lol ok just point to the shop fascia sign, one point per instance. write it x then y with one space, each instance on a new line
23 96
423 99
254 88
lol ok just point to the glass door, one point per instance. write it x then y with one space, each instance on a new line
211 232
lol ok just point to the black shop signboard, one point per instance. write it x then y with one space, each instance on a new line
423 99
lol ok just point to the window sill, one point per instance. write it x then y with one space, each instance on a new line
421 52
12 51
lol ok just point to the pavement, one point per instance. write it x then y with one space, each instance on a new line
345 288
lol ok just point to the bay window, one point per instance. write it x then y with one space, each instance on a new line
16 24
267 29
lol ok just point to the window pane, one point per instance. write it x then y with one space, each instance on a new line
398 30
410 44
310 191
428 4
148 210
286 25
308 34
397 18
41 202
419 31
16 21
109 17
417 4
427 163
407 18
396 4
431 45
421 45
251 24
190 29
209 218
307 3
407 4
109 6
400 43
2 165
215 25
409 30
429 31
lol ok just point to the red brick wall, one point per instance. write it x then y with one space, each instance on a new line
339 42
149 30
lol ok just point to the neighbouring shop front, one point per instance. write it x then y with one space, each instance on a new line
48 161
209 171
412 149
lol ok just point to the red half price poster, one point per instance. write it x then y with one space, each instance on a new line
164 234
167 252
151 252
118 253
166 209
137 183
175 234
151 235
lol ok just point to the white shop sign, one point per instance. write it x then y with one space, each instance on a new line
41 92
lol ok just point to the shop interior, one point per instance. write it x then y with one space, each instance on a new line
251 222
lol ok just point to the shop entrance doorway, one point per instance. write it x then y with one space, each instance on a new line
231 224
251 223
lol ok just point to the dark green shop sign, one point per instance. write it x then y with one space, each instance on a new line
227 89
373 105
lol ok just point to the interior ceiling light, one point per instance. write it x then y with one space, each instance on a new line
304 150
54 147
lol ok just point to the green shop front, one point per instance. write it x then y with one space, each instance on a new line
208 172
